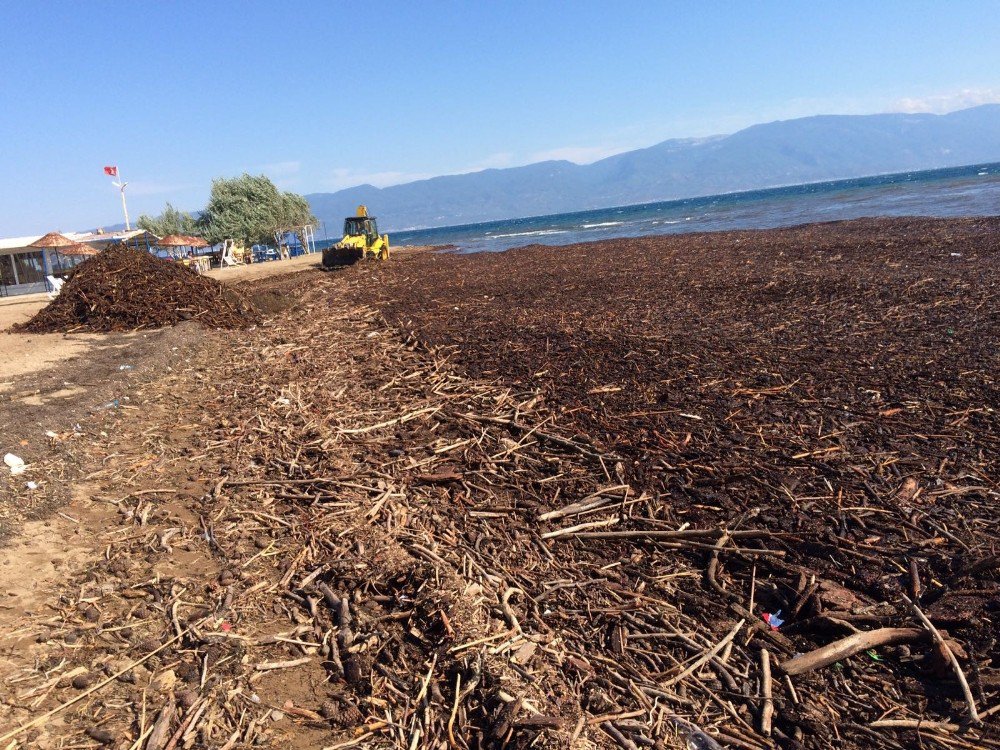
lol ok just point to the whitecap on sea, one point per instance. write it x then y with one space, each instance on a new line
533 234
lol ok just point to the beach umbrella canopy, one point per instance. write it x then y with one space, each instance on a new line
53 240
173 240
182 240
77 248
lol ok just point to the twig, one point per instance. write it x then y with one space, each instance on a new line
570 530
617 736
596 500
940 726
188 725
161 729
943 645
389 422
454 712
706 656
364 733
713 566
269 665
767 710
845 647
543 436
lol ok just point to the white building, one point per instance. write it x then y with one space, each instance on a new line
23 268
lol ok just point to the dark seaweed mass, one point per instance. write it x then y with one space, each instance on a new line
124 289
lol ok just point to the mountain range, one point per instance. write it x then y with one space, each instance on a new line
809 149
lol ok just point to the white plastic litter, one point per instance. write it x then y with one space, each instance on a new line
32 485
15 463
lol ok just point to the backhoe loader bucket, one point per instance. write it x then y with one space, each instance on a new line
342 256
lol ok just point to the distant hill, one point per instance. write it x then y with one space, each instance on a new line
809 149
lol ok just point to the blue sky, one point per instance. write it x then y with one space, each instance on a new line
324 95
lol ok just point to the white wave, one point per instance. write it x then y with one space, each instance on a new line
603 224
533 234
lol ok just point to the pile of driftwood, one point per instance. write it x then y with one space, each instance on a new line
127 289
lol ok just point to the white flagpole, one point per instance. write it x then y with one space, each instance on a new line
121 185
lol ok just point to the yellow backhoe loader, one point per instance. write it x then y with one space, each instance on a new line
361 242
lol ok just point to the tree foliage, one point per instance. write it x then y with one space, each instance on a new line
250 209
171 221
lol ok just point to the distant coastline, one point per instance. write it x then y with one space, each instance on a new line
903 176
770 155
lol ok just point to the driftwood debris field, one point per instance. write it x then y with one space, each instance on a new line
712 490
128 289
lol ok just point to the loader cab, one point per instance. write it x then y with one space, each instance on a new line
366 226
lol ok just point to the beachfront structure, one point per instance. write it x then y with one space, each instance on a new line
24 269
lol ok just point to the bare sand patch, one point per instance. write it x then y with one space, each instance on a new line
40 399
18 309
233 274
254 271
36 561
23 354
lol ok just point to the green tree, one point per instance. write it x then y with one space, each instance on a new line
295 211
251 209
171 221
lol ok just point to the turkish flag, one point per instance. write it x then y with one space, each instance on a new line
111 171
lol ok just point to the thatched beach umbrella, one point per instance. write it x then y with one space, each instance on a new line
172 243
52 241
61 245
172 240
77 248
181 240
197 241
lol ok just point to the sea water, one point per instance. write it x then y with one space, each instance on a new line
959 191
